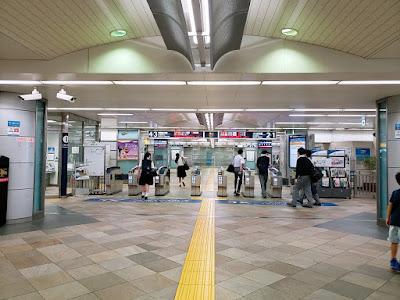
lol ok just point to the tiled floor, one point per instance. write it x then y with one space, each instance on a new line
86 250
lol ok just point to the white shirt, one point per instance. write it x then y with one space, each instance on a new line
152 164
181 161
238 160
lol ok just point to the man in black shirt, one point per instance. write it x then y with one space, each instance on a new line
303 180
262 165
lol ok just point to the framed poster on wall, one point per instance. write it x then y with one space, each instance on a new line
295 142
128 150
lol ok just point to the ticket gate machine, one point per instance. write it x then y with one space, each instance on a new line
274 184
222 183
195 189
248 183
114 180
162 181
134 188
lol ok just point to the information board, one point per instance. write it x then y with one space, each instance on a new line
160 144
264 145
262 135
211 134
188 134
295 142
232 134
94 157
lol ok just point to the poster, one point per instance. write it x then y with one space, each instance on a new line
14 128
128 150
295 142
397 131
361 155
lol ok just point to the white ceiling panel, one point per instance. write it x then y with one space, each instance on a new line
360 27
52 28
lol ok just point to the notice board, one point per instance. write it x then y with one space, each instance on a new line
94 157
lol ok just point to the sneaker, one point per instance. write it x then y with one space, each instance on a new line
317 203
290 204
179 185
142 196
307 205
183 183
145 198
394 264
237 194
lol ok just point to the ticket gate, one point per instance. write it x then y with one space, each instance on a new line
222 183
274 184
134 188
195 189
248 184
114 180
162 181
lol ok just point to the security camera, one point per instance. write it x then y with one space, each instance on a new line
62 95
34 96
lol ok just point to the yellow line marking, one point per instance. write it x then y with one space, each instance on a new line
52 199
198 275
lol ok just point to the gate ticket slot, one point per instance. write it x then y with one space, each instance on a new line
222 183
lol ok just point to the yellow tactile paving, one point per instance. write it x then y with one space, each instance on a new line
210 182
198 275
52 199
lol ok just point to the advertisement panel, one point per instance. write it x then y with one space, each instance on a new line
361 155
128 150
295 142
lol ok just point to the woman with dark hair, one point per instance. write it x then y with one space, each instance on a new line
180 161
145 174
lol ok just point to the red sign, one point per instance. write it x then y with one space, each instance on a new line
233 134
5 179
26 139
188 134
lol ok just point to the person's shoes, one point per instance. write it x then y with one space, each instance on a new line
179 185
307 205
264 197
142 196
290 204
237 194
394 264
145 198
301 202
183 183
317 203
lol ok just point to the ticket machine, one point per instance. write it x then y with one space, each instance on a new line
195 189
162 181
134 188
274 184
248 184
222 183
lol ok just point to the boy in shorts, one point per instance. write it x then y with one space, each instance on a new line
393 221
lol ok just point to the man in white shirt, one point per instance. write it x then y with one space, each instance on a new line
238 163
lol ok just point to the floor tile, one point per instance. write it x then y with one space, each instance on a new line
104 256
313 278
263 276
74 263
269 293
324 294
145 257
125 291
153 283
161 265
329 270
31 296
391 288
293 287
90 296
237 267
381 296
40 270
50 280
65 291
101 281
87 271
134 272
59 252
256 260
349 290
222 275
282 268
26 259
117 264
16 288
240 285
364 280
173 274
222 293
385 274
166 293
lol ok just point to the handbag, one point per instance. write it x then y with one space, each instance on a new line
186 166
230 168
315 175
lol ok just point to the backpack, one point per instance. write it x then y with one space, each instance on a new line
263 165
146 166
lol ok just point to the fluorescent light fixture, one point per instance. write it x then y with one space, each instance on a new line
317 109
220 109
21 82
317 128
76 108
126 109
206 20
362 82
106 114
289 31
143 82
269 109
369 116
118 33
188 7
173 109
308 115
51 121
132 122
299 82
317 123
294 128
238 82
359 109
368 129
78 82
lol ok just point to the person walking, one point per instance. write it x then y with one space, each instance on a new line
303 179
393 221
314 190
238 163
146 166
262 165
181 172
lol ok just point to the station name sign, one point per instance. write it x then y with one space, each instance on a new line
212 134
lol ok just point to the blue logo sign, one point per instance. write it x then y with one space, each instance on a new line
14 124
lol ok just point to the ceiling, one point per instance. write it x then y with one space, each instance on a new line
359 27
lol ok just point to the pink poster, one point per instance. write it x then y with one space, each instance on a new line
128 150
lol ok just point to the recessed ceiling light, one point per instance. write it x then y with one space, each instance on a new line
115 114
269 109
118 33
370 82
132 122
78 82
289 31
158 82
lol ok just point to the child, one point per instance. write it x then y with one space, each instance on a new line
393 220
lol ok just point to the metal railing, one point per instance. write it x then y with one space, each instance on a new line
363 185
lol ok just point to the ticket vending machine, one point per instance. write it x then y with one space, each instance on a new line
4 175
195 189
248 184
274 184
134 188
162 181
222 183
